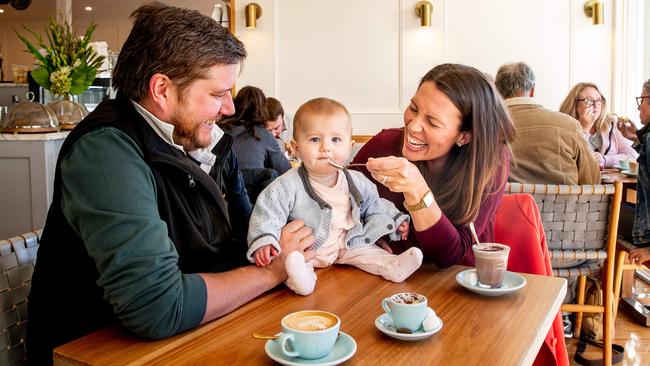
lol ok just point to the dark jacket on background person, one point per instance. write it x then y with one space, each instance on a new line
129 227
260 161
641 225
262 153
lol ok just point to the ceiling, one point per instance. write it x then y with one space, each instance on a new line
41 10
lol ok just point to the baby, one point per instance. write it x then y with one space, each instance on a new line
341 206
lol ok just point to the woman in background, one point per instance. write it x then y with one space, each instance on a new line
587 104
258 154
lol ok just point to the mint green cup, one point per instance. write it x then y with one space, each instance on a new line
309 334
407 309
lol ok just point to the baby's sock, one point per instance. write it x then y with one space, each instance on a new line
302 278
402 266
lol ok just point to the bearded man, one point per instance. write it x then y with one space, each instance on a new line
141 229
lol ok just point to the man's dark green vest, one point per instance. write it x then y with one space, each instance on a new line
65 302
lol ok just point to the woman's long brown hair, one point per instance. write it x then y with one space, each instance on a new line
470 174
250 111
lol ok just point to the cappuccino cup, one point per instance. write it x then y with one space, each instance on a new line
309 334
491 263
407 309
634 167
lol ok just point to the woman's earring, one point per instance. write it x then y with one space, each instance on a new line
459 143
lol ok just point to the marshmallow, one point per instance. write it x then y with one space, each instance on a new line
429 323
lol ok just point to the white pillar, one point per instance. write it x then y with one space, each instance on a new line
64 10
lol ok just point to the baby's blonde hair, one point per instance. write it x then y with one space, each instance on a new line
318 107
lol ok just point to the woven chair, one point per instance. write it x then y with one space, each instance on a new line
580 223
17 258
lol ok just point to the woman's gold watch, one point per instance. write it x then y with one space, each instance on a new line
425 202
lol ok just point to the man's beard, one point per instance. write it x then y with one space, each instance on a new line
188 137
188 133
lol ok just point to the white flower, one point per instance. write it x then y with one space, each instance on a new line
61 81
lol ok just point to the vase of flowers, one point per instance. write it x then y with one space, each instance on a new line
67 66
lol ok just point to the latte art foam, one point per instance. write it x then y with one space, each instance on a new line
310 321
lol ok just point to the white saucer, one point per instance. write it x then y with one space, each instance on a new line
629 173
385 324
511 282
343 349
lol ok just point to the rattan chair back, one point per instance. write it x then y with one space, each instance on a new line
581 223
17 258
575 220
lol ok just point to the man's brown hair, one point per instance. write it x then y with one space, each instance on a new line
177 42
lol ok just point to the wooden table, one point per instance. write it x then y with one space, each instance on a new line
507 330
610 175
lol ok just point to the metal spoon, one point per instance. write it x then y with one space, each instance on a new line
473 230
339 166
265 337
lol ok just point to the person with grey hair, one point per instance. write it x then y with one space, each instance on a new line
549 148
641 223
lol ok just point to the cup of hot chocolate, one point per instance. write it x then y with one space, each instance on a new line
491 263
407 309
309 334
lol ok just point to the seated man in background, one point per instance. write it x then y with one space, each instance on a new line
641 224
138 223
549 147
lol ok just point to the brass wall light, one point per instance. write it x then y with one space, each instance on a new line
595 10
253 12
423 9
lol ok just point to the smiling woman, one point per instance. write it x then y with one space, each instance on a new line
448 167
456 135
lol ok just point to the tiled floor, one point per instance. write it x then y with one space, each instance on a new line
628 333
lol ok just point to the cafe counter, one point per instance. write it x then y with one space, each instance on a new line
27 163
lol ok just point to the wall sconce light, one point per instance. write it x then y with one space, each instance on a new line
253 12
595 10
423 9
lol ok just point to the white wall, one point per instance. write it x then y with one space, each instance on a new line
370 54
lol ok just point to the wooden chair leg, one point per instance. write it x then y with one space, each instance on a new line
608 302
618 279
582 281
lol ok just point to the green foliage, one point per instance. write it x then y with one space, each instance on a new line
69 64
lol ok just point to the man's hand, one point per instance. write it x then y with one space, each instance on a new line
295 236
